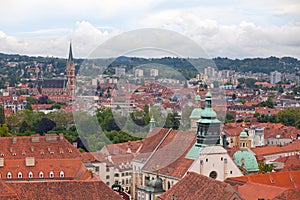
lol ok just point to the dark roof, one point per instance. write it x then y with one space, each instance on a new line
52 83
70 58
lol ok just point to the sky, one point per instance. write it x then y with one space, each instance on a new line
225 28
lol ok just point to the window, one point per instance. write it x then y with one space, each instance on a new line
41 175
213 174
127 182
97 169
123 182
20 175
107 183
51 174
107 177
61 174
9 175
206 160
107 169
230 172
30 175
117 175
221 158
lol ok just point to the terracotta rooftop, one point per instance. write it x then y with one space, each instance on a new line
290 162
254 191
289 179
171 154
196 186
233 131
269 150
51 146
59 190
122 148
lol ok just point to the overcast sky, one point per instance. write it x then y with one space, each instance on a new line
233 28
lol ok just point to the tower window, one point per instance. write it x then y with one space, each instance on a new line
41 175
206 160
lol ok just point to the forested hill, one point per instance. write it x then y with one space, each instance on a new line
265 65
185 65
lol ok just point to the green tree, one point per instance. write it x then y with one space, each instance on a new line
172 121
2 115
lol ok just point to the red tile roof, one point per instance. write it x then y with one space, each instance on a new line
290 162
289 179
170 156
62 190
195 186
254 191
270 150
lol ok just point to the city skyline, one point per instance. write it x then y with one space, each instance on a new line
232 29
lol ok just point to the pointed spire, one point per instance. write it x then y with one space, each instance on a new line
70 58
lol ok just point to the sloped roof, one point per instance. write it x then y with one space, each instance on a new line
61 190
254 191
289 179
196 186
170 158
269 150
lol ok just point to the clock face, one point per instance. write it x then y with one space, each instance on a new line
213 174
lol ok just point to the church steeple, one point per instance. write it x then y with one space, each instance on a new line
208 126
70 73
70 58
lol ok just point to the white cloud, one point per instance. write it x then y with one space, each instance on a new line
233 29
85 38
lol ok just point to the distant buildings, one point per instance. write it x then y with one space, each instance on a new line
120 71
138 73
154 72
275 77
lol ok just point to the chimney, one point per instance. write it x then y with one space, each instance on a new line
35 138
61 136
14 139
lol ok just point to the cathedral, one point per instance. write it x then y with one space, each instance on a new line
59 90
170 154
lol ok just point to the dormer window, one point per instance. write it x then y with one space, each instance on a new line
42 153
51 174
41 175
2 154
20 175
14 154
61 174
9 176
70 150
30 175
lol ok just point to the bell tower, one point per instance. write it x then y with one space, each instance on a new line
70 74
208 133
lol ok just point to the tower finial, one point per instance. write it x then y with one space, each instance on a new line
70 58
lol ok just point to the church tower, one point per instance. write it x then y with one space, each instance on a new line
70 74
208 126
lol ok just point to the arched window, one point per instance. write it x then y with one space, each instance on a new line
41 175
30 175
61 174
169 184
51 174
20 175
9 176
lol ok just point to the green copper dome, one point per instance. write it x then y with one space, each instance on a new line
246 159
243 134
208 113
196 113
198 98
